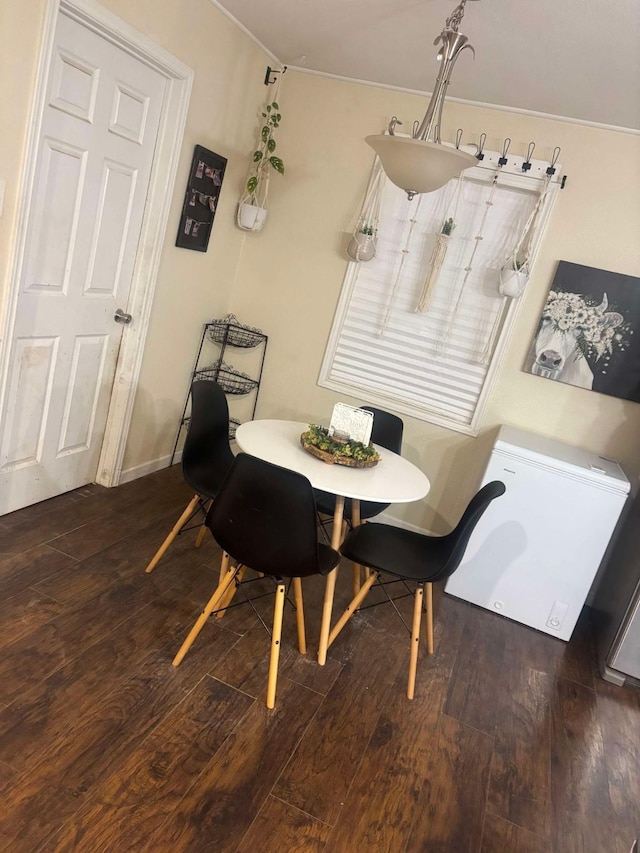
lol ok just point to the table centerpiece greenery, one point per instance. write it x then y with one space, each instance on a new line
317 441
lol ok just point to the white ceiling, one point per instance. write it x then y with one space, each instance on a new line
578 59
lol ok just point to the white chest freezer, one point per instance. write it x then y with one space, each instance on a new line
536 550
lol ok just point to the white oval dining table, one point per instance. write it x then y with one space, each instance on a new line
393 480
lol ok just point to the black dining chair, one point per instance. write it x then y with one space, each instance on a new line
264 518
387 432
413 557
206 457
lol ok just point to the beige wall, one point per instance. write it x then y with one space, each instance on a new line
192 286
287 279
290 274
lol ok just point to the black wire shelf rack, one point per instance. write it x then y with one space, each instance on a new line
231 381
230 331
224 333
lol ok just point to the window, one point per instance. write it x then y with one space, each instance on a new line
437 365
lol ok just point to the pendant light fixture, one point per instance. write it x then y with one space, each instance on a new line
421 163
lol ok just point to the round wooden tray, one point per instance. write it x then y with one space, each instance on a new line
332 459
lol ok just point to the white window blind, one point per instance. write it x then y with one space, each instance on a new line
436 365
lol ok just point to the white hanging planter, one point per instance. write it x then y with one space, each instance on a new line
362 247
252 206
516 270
251 217
513 281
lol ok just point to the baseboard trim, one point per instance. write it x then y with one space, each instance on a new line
129 474
386 518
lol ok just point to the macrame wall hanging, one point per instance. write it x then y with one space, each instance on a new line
468 269
404 252
362 246
439 252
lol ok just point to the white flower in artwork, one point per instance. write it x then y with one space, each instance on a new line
588 321
582 315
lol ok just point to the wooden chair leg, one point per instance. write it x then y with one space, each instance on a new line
297 594
429 617
415 640
353 606
203 527
355 522
275 645
224 565
229 595
356 578
330 583
224 568
208 610
177 527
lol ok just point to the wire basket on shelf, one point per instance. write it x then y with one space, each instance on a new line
231 381
234 423
229 330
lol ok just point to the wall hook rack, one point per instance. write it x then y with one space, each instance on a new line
268 81
505 149
480 146
527 163
551 170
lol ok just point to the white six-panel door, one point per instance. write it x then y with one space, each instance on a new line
91 177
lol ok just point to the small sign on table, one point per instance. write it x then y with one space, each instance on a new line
349 423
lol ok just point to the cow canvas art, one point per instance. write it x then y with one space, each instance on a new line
588 332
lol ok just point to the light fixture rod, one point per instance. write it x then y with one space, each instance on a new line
453 43
420 163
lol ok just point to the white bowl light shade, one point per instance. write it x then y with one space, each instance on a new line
418 166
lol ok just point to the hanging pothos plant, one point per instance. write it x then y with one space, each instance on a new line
252 210
263 156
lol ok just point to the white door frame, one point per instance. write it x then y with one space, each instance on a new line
170 135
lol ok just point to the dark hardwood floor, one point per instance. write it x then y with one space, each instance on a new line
512 743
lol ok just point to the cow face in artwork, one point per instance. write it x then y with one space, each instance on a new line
570 328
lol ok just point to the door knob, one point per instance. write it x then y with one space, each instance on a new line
122 317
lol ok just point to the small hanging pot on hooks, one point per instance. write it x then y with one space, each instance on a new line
514 276
362 246
515 271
